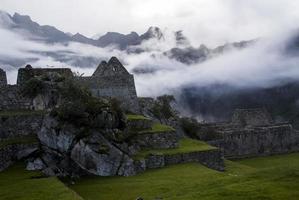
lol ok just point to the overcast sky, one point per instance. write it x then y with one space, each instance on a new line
204 21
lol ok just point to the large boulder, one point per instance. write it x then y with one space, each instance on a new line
99 157
56 136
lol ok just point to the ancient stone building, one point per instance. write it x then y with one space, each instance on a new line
110 80
25 74
3 79
252 132
251 117
113 80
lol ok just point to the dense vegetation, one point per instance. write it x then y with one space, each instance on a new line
162 108
198 131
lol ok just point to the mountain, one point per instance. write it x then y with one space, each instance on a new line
119 40
217 102
45 33
82 39
152 32
182 52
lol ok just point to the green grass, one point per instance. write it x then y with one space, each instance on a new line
185 146
267 178
18 184
137 117
21 112
158 128
18 140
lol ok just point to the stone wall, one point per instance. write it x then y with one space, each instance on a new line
11 99
159 140
3 79
15 125
139 124
12 153
113 80
212 159
251 117
258 141
25 74
110 80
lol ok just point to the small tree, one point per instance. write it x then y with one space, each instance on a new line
162 109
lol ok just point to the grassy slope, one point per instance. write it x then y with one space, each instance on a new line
17 184
185 146
136 117
157 128
266 178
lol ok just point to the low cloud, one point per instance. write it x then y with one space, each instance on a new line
262 65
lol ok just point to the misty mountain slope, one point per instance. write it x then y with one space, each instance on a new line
132 43
208 104
209 82
46 33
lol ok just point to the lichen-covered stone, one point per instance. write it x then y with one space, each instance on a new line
55 137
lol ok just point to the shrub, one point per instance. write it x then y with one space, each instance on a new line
33 87
190 126
162 108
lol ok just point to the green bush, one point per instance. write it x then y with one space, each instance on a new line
195 130
190 126
162 109
33 87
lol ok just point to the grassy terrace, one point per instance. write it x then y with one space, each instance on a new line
267 178
185 146
19 140
21 112
136 117
18 184
156 128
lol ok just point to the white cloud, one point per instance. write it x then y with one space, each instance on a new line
211 22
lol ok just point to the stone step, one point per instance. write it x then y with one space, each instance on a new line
159 136
138 122
188 151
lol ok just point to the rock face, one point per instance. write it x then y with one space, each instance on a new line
67 150
9 154
102 162
55 137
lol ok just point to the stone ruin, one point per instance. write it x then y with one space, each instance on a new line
60 148
113 80
3 79
251 117
110 80
252 132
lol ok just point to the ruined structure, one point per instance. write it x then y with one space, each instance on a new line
251 117
25 74
110 80
3 79
40 124
113 80
252 132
